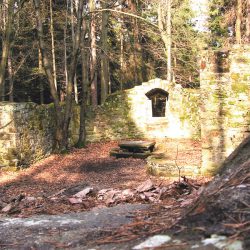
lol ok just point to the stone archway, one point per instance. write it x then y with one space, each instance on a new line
158 99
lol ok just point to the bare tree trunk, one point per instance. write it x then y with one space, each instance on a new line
59 134
122 57
238 21
85 83
62 118
137 49
53 43
122 52
169 43
6 45
73 65
104 58
73 35
164 24
93 61
248 21
11 80
40 70
62 95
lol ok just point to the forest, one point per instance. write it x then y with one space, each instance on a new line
124 124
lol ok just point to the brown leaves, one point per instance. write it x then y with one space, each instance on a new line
146 191
145 186
58 184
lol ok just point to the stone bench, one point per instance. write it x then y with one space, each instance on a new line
134 149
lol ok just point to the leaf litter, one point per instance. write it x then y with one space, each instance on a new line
88 178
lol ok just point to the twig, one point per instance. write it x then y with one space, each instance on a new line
175 161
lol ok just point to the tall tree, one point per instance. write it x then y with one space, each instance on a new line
93 57
63 114
135 37
53 42
8 14
104 54
164 22
229 24
84 85
248 22
239 17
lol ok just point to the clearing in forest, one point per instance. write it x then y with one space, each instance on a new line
49 186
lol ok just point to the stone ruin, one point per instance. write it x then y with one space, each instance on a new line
217 113
225 104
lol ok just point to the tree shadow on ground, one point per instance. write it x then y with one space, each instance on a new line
81 165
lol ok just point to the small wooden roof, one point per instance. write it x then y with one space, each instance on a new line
156 91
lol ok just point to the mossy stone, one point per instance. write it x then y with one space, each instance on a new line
240 87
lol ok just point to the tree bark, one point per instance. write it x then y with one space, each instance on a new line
11 80
238 21
73 64
121 57
59 134
85 84
137 48
40 70
93 61
169 44
104 58
164 24
53 43
248 22
73 35
65 51
6 45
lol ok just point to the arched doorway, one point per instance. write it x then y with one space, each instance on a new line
158 99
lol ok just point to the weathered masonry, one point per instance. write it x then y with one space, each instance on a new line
155 109
218 113
225 104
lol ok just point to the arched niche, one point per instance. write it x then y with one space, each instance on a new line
158 99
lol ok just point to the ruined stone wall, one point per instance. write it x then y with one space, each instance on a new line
26 132
225 109
181 119
128 114
27 129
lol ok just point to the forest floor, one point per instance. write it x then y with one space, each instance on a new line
88 200
88 180
46 187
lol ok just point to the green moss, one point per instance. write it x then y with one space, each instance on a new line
246 77
12 154
210 170
240 87
235 76
235 124
10 169
232 102
243 59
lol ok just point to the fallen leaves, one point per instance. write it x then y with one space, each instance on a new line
88 197
84 179
145 186
7 208
82 194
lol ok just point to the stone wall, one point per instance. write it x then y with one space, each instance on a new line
26 132
128 114
26 129
218 112
225 96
